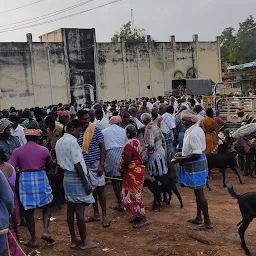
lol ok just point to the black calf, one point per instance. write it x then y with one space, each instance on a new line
247 205
161 186
223 161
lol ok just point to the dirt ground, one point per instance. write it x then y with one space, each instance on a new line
169 232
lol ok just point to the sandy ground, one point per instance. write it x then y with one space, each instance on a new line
169 232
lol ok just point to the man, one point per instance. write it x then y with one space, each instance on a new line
72 111
144 108
149 104
78 191
8 142
167 126
115 139
102 120
54 131
34 188
133 113
6 209
18 130
198 109
193 166
91 141
92 116
64 117
127 119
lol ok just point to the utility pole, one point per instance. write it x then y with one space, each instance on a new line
193 63
50 73
132 20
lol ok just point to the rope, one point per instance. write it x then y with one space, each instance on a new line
112 178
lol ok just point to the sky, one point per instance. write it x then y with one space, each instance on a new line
160 18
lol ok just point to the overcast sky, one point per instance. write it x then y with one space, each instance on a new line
160 18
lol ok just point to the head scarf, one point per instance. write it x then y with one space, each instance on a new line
115 120
63 113
4 123
190 115
32 132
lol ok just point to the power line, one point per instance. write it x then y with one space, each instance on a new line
42 17
22 6
61 18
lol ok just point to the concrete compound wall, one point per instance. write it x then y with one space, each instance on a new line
32 74
79 51
68 65
125 70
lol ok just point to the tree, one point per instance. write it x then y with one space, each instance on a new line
228 45
246 41
135 36
239 47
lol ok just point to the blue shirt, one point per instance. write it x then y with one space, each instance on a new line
94 148
6 202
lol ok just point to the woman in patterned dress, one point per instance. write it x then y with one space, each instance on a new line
133 170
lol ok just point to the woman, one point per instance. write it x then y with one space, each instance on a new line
155 146
211 129
222 125
13 239
133 171
193 166
144 108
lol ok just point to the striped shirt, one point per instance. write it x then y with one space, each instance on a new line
94 148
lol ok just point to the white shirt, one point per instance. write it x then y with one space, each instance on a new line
114 137
72 110
194 141
69 153
139 123
175 105
149 105
200 117
103 123
19 133
168 123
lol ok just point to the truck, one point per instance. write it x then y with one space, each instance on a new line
193 86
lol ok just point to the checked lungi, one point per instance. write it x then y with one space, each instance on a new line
194 174
157 165
34 189
74 189
168 137
113 157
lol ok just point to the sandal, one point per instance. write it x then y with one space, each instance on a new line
141 224
29 244
134 220
92 219
106 223
118 208
195 222
50 241
204 227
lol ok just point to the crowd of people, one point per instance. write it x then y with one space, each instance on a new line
80 147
